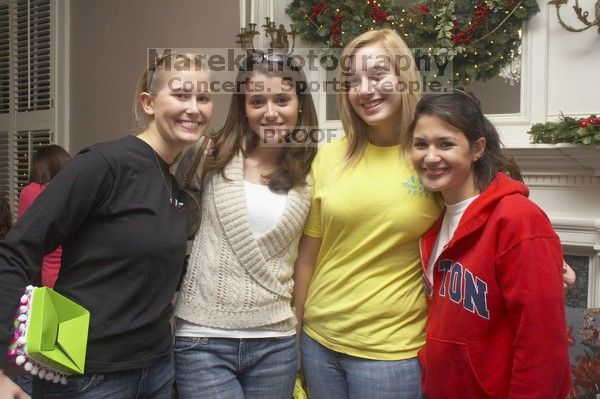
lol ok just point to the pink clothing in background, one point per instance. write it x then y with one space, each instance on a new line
51 262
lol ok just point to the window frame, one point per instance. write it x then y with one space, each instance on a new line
20 129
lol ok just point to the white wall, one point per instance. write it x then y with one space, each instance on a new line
573 65
560 73
109 39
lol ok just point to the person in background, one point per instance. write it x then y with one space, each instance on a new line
45 164
492 263
236 335
116 211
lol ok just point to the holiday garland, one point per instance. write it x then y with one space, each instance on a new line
567 130
478 38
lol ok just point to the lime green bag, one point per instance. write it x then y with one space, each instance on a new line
51 333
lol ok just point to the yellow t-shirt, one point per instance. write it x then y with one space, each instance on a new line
365 298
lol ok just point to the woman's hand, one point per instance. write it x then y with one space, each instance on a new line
10 390
568 276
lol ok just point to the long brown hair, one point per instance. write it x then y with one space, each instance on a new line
462 110
5 217
236 136
355 128
46 162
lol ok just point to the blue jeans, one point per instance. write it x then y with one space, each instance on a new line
334 375
153 382
231 368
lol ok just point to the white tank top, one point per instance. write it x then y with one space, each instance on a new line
264 206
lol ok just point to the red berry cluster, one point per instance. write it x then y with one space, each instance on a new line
590 121
482 11
318 9
336 30
378 16
422 9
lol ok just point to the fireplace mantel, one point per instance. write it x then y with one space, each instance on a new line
557 159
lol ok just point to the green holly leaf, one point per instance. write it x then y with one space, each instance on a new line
502 38
323 31
584 132
520 12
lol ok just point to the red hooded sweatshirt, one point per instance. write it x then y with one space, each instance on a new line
496 325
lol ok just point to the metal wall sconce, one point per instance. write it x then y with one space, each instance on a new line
278 36
581 15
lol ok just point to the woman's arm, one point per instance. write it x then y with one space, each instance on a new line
530 277
53 217
308 251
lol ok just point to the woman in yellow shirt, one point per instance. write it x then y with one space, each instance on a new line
358 275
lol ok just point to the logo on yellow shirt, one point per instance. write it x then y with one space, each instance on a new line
414 187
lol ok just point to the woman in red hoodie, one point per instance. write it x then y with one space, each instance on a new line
492 265
45 164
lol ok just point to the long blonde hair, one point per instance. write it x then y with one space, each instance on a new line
355 128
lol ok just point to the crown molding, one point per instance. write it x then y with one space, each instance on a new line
557 160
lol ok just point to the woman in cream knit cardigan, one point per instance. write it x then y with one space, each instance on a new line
236 326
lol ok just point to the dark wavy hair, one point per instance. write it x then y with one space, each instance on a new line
236 136
462 110
46 162
5 217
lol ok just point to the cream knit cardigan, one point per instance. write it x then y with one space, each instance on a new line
235 279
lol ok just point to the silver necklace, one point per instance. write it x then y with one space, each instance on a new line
162 173
263 177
